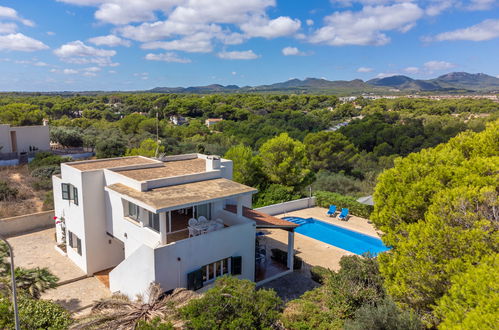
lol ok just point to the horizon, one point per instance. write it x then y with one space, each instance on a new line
109 45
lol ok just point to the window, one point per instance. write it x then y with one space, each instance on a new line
65 191
74 242
69 192
75 195
203 210
133 211
216 269
154 221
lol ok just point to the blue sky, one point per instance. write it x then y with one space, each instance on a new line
49 45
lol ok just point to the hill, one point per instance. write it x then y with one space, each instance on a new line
452 82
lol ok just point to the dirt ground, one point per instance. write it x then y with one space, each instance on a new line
29 200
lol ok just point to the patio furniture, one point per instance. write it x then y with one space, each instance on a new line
344 214
202 220
332 210
192 222
193 231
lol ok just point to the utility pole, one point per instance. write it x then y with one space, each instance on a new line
14 286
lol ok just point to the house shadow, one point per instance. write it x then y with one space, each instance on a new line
72 305
293 285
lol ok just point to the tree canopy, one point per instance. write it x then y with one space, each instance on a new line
438 210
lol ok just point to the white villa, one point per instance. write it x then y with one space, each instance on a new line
179 222
17 139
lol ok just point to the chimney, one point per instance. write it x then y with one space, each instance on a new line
212 163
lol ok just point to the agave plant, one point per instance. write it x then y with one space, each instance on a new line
119 312
35 281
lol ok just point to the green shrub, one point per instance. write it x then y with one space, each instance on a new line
46 159
325 198
273 194
7 192
46 172
356 284
42 184
156 324
34 314
319 274
48 201
233 304
383 316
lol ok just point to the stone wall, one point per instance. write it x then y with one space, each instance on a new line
25 223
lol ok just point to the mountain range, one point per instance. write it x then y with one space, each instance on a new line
454 82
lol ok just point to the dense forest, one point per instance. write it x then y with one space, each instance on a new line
432 165
280 144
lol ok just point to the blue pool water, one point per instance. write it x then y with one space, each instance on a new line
340 237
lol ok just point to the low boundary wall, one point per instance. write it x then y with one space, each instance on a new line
25 223
297 204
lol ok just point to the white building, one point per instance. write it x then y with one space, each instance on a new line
18 139
212 121
131 217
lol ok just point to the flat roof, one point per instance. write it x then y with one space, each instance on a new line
169 169
264 220
99 164
184 194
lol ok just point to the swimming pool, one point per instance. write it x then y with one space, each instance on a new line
337 236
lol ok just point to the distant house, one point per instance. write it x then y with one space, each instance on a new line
180 222
178 120
212 121
23 139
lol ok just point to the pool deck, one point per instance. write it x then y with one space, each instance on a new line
312 251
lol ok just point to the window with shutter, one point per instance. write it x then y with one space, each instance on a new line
70 238
65 191
236 265
78 245
75 195
195 280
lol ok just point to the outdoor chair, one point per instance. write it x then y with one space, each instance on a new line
343 215
202 220
332 210
193 231
192 222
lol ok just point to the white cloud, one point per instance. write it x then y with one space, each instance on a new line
438 65
309 22
234 73
92 69
481 4
34 62
364 69
290 51
9 13
109 40
112 72
196 43
78 53
70 71
386 74
6 28
191 25
486 30
167 57
20 42
50 33
412 70
365 27
238 55
263 27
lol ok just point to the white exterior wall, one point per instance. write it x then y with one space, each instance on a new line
102 250
73 214
195 252
5 138
134 274
26 136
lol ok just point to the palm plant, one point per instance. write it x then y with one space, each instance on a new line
32 281
35 281
119 312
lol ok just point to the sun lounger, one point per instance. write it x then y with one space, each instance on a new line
343 215
332 210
